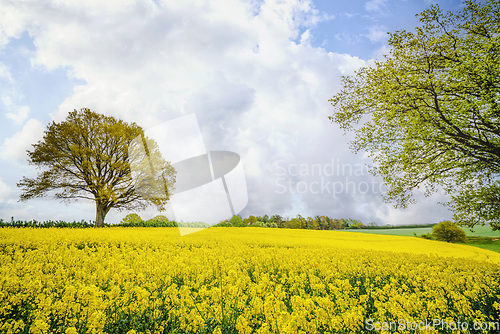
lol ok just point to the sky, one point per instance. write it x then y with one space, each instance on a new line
256 74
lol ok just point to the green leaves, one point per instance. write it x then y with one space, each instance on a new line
431 111
449 232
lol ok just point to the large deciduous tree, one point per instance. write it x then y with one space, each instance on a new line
429 113
92 156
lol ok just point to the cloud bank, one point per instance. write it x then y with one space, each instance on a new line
245 68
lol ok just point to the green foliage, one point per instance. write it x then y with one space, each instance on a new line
339 224
237 221
193 224
134 220
477 204
488 243
430 112
354 224
294 223
427 236
390 227
224 223
131 218
324 223
148 223
131 221
160 218
278 220
315 224
159 223
350 222
448 231
90 156
250 221
45 224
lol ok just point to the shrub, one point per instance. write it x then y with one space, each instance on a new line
426 236
194 224
449 231
159 221
356 225
223 223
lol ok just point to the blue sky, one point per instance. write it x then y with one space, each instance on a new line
258 76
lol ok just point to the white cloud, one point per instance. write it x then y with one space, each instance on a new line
347 37
12 22
377 33
18 212
349 15
425 211
4 191
375 6
5 73
17 113
379 54
231 62
9 93
14 148
305 38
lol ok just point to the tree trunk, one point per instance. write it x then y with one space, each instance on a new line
100 214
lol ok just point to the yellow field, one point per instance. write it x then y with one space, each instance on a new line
240 280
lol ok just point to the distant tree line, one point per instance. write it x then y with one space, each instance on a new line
299 222
135 221
48 223
309 223
275 221
388 226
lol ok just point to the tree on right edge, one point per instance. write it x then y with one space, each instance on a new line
430 111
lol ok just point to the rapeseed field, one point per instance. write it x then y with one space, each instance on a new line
241 280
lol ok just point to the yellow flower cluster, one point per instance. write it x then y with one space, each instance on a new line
240 280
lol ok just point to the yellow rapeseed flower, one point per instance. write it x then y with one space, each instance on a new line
248 279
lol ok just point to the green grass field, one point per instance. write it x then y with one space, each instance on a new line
482 236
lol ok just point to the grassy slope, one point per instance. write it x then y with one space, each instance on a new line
481 237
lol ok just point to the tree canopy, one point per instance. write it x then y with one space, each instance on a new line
429 113
96 157
448 231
